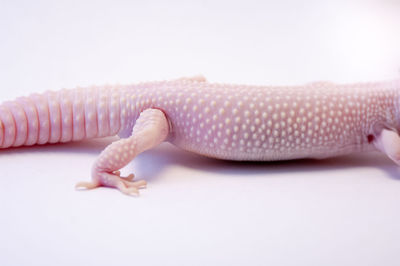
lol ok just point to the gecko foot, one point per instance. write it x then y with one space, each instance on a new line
114 180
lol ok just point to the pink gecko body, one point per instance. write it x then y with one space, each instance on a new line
224 121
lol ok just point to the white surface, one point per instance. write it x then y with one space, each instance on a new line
197 211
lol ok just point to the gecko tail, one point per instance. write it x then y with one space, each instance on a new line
7 127
10 121
1 133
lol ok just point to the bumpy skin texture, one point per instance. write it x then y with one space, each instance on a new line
234 122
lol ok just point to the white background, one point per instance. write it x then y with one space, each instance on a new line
197 211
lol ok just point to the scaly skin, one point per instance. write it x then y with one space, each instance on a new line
234 122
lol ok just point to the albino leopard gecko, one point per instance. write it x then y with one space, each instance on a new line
233 122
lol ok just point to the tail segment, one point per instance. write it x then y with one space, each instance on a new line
66 115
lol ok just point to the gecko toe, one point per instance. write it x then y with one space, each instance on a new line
137 184
86 185
130 191
130 177
118 173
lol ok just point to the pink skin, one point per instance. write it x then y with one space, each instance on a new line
31 116
234 122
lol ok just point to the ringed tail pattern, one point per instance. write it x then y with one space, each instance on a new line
62 116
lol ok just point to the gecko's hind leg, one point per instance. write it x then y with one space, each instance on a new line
388 142
151 128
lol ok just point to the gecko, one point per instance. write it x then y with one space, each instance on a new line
223 121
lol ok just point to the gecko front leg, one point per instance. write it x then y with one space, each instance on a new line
151 128
388 142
